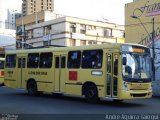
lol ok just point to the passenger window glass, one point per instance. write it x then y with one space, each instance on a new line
109 63
57 62
19 63
45 60
63 61
23 62
10 61
1 64
74 59
92 59
115 64
33 60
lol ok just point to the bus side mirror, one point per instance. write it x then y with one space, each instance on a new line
124 61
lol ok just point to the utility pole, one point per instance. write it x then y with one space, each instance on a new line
22 31
153 49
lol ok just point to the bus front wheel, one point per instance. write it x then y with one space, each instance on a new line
91 94
32 87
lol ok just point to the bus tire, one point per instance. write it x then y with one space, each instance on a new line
91 93
32 87
1 84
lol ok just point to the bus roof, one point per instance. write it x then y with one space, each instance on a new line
61 49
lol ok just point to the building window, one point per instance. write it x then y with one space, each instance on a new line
83 42
73 27
83 29
47 43
47 30
91 42
74 59
93 27
30 34
89 27
107 32
92 59
45 60
72 42
122 34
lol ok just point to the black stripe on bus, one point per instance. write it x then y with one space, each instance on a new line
41 81
44 82
10 80
74 83
81 84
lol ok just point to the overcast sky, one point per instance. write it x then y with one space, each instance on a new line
112 10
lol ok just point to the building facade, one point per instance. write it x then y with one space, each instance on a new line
142 21
71 31
33 6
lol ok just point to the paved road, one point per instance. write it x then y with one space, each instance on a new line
19 102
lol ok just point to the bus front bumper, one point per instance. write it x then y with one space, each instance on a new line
135 94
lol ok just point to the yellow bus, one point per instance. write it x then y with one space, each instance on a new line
107 71
1 71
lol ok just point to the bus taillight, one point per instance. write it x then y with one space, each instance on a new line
2 73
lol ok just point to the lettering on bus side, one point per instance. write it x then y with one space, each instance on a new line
73 75
37 73
10 73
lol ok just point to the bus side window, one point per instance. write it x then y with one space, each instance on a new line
1 64
74 59
33 60
92 59
10 61
45 60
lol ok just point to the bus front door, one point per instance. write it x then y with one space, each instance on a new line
112 75
59 74
20 72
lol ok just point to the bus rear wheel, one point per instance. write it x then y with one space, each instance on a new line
91 94
32 87
1 84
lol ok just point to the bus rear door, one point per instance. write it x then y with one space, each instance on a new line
60 72
112 75
20 71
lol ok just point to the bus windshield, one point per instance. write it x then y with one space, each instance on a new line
136 66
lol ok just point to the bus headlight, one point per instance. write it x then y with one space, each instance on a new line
125 87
